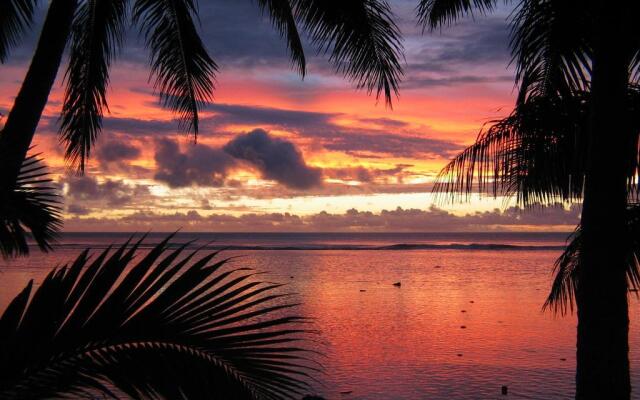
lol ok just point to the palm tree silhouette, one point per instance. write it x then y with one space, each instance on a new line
360 36
564 50
536 155
33 205
172 325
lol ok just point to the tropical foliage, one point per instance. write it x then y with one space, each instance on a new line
537 154
561 299
573 136
15 16
31 205
361 38
171 325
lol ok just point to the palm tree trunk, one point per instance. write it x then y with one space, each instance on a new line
24 117
603 321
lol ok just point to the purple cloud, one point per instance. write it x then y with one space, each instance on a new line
199 165
276 159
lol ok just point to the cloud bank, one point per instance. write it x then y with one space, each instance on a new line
432 219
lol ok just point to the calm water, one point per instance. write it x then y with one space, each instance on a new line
407 343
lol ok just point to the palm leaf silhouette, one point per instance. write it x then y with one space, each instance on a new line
362 39
551 52
32 204
183 70
171 325
15 17
360 36
283 19
561 298
435 13
98 31
536 154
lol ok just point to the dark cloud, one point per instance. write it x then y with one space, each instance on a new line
112 193
385 122
486 40
277 159
115 154
234 113
468 53
359 143
239 35
22 53
78 209
469 43
360 174
387 137
430 82
142 127
111 125
355 141
366 175
236 34
199 165
116 151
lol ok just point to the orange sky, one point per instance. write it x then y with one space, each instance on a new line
347 151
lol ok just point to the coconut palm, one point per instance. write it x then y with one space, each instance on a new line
171 325
562 296
564 48
605 61
361 38
536 155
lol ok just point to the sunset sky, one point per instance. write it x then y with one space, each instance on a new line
323 156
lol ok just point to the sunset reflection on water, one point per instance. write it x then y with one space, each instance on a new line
462 324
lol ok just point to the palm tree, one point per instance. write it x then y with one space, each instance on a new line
360 36
536 155
171 325
562 296
565 48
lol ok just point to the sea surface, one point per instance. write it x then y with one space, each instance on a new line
386 342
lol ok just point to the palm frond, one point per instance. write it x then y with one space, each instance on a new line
362 38
15 17
171 325
535 154
184 72
29 207
283 19
551 50
561 299
633 175
435 13
98 31
634 72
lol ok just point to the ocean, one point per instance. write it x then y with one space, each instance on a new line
466 320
